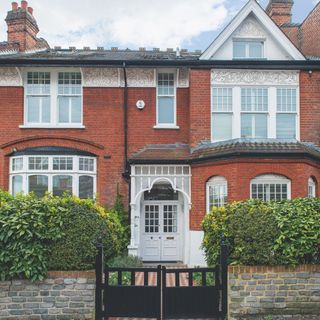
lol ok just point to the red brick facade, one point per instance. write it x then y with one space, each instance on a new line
104 133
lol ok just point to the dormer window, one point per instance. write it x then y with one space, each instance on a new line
248 49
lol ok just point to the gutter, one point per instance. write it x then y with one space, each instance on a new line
197 64
126 165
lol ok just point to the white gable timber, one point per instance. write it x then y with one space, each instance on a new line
252 22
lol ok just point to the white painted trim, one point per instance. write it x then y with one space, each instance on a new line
76 173
272 105
267 22
173 127
271 179
216 180
54 106
167 125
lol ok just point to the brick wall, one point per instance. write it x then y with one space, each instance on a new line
239 173
63 296
274 293
310 37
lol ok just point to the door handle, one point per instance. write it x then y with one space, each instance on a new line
159 237
170 238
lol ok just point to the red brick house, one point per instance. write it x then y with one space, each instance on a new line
176 132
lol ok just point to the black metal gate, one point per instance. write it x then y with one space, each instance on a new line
160 292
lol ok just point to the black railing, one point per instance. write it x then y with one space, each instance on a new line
160 292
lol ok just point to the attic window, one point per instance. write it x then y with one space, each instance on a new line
248 49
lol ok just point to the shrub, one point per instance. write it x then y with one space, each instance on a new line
122 215
37 234
27 224
123 261
261 233
83 223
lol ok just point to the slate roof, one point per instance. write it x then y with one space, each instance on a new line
237 147
102 54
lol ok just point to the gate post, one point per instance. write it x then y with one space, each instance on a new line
224 278
99 273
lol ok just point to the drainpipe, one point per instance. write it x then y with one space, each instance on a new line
126 165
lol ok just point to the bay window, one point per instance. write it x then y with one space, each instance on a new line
254 112
286 113
221 113
217 193
312 192
53 99
270 188
57 174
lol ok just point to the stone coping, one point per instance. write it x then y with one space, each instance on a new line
90 274
275 269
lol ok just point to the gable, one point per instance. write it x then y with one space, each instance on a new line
253 24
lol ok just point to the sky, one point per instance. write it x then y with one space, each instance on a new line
190 24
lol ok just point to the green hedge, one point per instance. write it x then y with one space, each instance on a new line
40 234
265 233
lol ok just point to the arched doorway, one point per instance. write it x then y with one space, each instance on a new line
161 224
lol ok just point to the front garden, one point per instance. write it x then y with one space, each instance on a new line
265 233
56 233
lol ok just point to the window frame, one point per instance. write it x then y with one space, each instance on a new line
296 113
76 173
216 180
213 112
247 42
312 183
166 125
271 114
54 99
271 179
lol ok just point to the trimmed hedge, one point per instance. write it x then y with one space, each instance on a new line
40 234
265 233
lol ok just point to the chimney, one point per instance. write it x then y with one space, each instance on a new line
23 28
280 11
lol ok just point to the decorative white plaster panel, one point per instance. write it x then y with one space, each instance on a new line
183 78
254 77
249 28
100 77
10 77
140 77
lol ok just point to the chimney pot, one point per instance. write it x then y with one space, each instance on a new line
100 48
142 49
114 49
24 4
14 6
30 10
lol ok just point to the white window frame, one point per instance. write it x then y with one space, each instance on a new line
271 179
271 114
54 96
296 113
167 125
76 173
247 41
215 181
221 112
312 188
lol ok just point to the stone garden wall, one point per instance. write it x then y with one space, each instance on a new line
63 296
272 293
255 293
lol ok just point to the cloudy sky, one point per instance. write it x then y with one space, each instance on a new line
191 24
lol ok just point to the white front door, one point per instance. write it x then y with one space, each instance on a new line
160 232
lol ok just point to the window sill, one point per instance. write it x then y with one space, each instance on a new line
172 127
51 127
